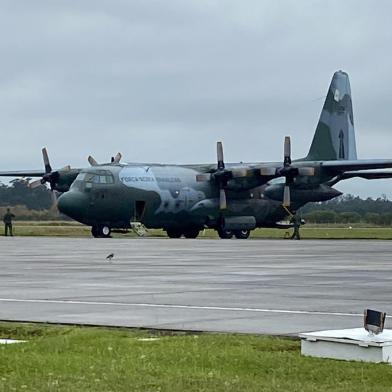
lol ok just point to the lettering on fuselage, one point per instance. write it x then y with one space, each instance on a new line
141 178
136 179
168 179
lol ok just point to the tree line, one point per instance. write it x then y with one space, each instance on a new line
350 209
18 193
27 203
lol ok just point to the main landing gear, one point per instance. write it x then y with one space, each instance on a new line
100 231
194 232
239 234
187 233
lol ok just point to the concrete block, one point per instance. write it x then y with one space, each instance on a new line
354 344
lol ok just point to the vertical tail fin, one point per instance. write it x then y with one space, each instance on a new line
334 138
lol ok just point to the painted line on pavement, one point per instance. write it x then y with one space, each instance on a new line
169 306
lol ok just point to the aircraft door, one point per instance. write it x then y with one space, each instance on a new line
139 210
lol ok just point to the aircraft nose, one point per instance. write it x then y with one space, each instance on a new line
73 204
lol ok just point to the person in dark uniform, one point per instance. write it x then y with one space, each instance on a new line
296 221
7 219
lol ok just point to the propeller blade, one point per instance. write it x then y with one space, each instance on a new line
53 195
35 184
92 161
219 152
286 196
45 156
117 158
222 199
287 151
66 168
306 171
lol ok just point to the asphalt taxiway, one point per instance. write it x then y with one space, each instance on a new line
251 286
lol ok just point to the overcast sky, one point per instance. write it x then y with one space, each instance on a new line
162 81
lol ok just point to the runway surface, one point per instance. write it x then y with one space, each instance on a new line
253 286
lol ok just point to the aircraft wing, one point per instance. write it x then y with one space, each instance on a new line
22 173
361 164
368 175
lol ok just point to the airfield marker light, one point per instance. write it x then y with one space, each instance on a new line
373 321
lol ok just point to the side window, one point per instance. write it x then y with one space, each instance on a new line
90 177
98 178
108 179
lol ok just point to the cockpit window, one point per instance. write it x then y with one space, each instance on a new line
104 177
81 177
91 177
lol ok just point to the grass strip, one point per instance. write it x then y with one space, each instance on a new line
59 358
57 229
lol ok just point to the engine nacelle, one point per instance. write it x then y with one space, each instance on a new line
302 194
61 180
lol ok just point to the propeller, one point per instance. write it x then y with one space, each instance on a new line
113 160
50 176
92 161
221 180
290 172
287 166
287 171
219 175
117 158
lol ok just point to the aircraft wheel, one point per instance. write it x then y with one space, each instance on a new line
94 232
225 234
192 233
100 231
242 234
174 233
105 231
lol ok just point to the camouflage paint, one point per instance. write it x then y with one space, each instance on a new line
335 137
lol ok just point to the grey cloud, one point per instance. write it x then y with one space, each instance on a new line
162 81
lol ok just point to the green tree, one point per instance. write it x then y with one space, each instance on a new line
320 217
18 192
349 217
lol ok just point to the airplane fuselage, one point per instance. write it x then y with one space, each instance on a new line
159 196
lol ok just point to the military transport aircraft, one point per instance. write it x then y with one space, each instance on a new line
231 198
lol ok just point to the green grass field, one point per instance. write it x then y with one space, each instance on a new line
72 229
97 359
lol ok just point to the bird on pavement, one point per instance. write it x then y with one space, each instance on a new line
110 256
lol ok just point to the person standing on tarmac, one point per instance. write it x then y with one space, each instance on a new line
296 221
7 219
